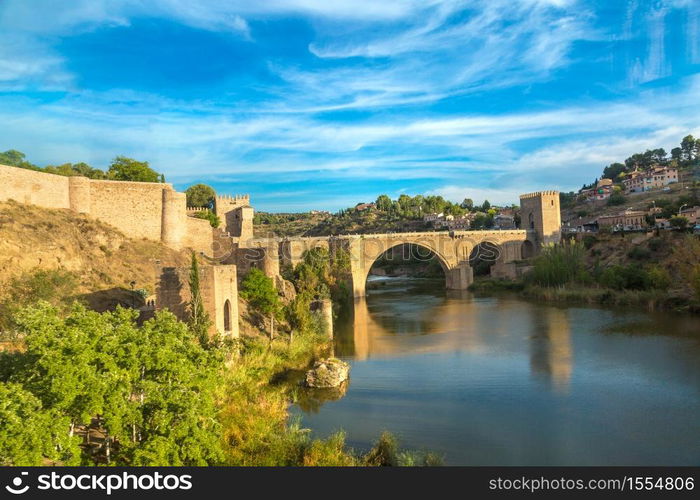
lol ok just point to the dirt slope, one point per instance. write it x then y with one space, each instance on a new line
100 256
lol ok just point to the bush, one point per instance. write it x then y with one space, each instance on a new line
213 219
633 277
559 264
55 286
616 199
656 244
152 386
589 240
639 253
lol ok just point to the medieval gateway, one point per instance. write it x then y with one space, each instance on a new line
157 212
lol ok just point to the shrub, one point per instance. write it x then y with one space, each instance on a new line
589 240
213 219
633 277
384 452
55 286
616 199
639 253
559 264
679 222
656 244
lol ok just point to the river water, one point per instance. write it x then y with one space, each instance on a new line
505 381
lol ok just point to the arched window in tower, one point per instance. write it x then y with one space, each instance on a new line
531 221
227 316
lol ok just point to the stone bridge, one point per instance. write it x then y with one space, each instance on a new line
453 249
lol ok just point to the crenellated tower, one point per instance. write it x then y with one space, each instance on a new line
540 213
236 215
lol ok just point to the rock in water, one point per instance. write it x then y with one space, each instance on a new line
326 373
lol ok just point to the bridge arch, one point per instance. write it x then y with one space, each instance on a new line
527 250
366 249
410 252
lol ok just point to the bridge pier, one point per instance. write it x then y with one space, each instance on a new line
359 278
505 266
460 277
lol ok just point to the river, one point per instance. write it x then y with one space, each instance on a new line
505 381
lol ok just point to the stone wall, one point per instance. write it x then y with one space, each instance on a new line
149 210
135 208
35 188
198 235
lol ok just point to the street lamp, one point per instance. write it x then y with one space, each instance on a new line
681 209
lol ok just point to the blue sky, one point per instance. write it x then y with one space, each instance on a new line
322 104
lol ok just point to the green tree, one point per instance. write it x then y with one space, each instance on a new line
71 169
199 321
468 203
613 171
29 434
200 195
383 203
259 290
128 169
689 148
558 265
617 198
679 222
153 386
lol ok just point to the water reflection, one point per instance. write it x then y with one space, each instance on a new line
498 380
551 355
463 324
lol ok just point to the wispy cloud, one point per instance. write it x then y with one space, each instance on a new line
414 95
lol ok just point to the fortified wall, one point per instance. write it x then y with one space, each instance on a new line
150 210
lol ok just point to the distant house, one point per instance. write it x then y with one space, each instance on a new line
361 207
692 214
662 223
602 191
648 180
502 221
433 217
629 220
451 222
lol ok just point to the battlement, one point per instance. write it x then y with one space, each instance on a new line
538 194
193 210
235 200
236 214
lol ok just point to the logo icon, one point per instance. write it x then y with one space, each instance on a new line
17 482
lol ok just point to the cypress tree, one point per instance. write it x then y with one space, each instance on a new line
199 321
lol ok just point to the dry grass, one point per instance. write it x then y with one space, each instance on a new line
33 238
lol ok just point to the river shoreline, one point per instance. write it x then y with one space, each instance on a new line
649 300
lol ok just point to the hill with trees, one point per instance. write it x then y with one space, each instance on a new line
404 214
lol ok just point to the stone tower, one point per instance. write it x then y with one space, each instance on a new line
540 214
219 289
236 215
